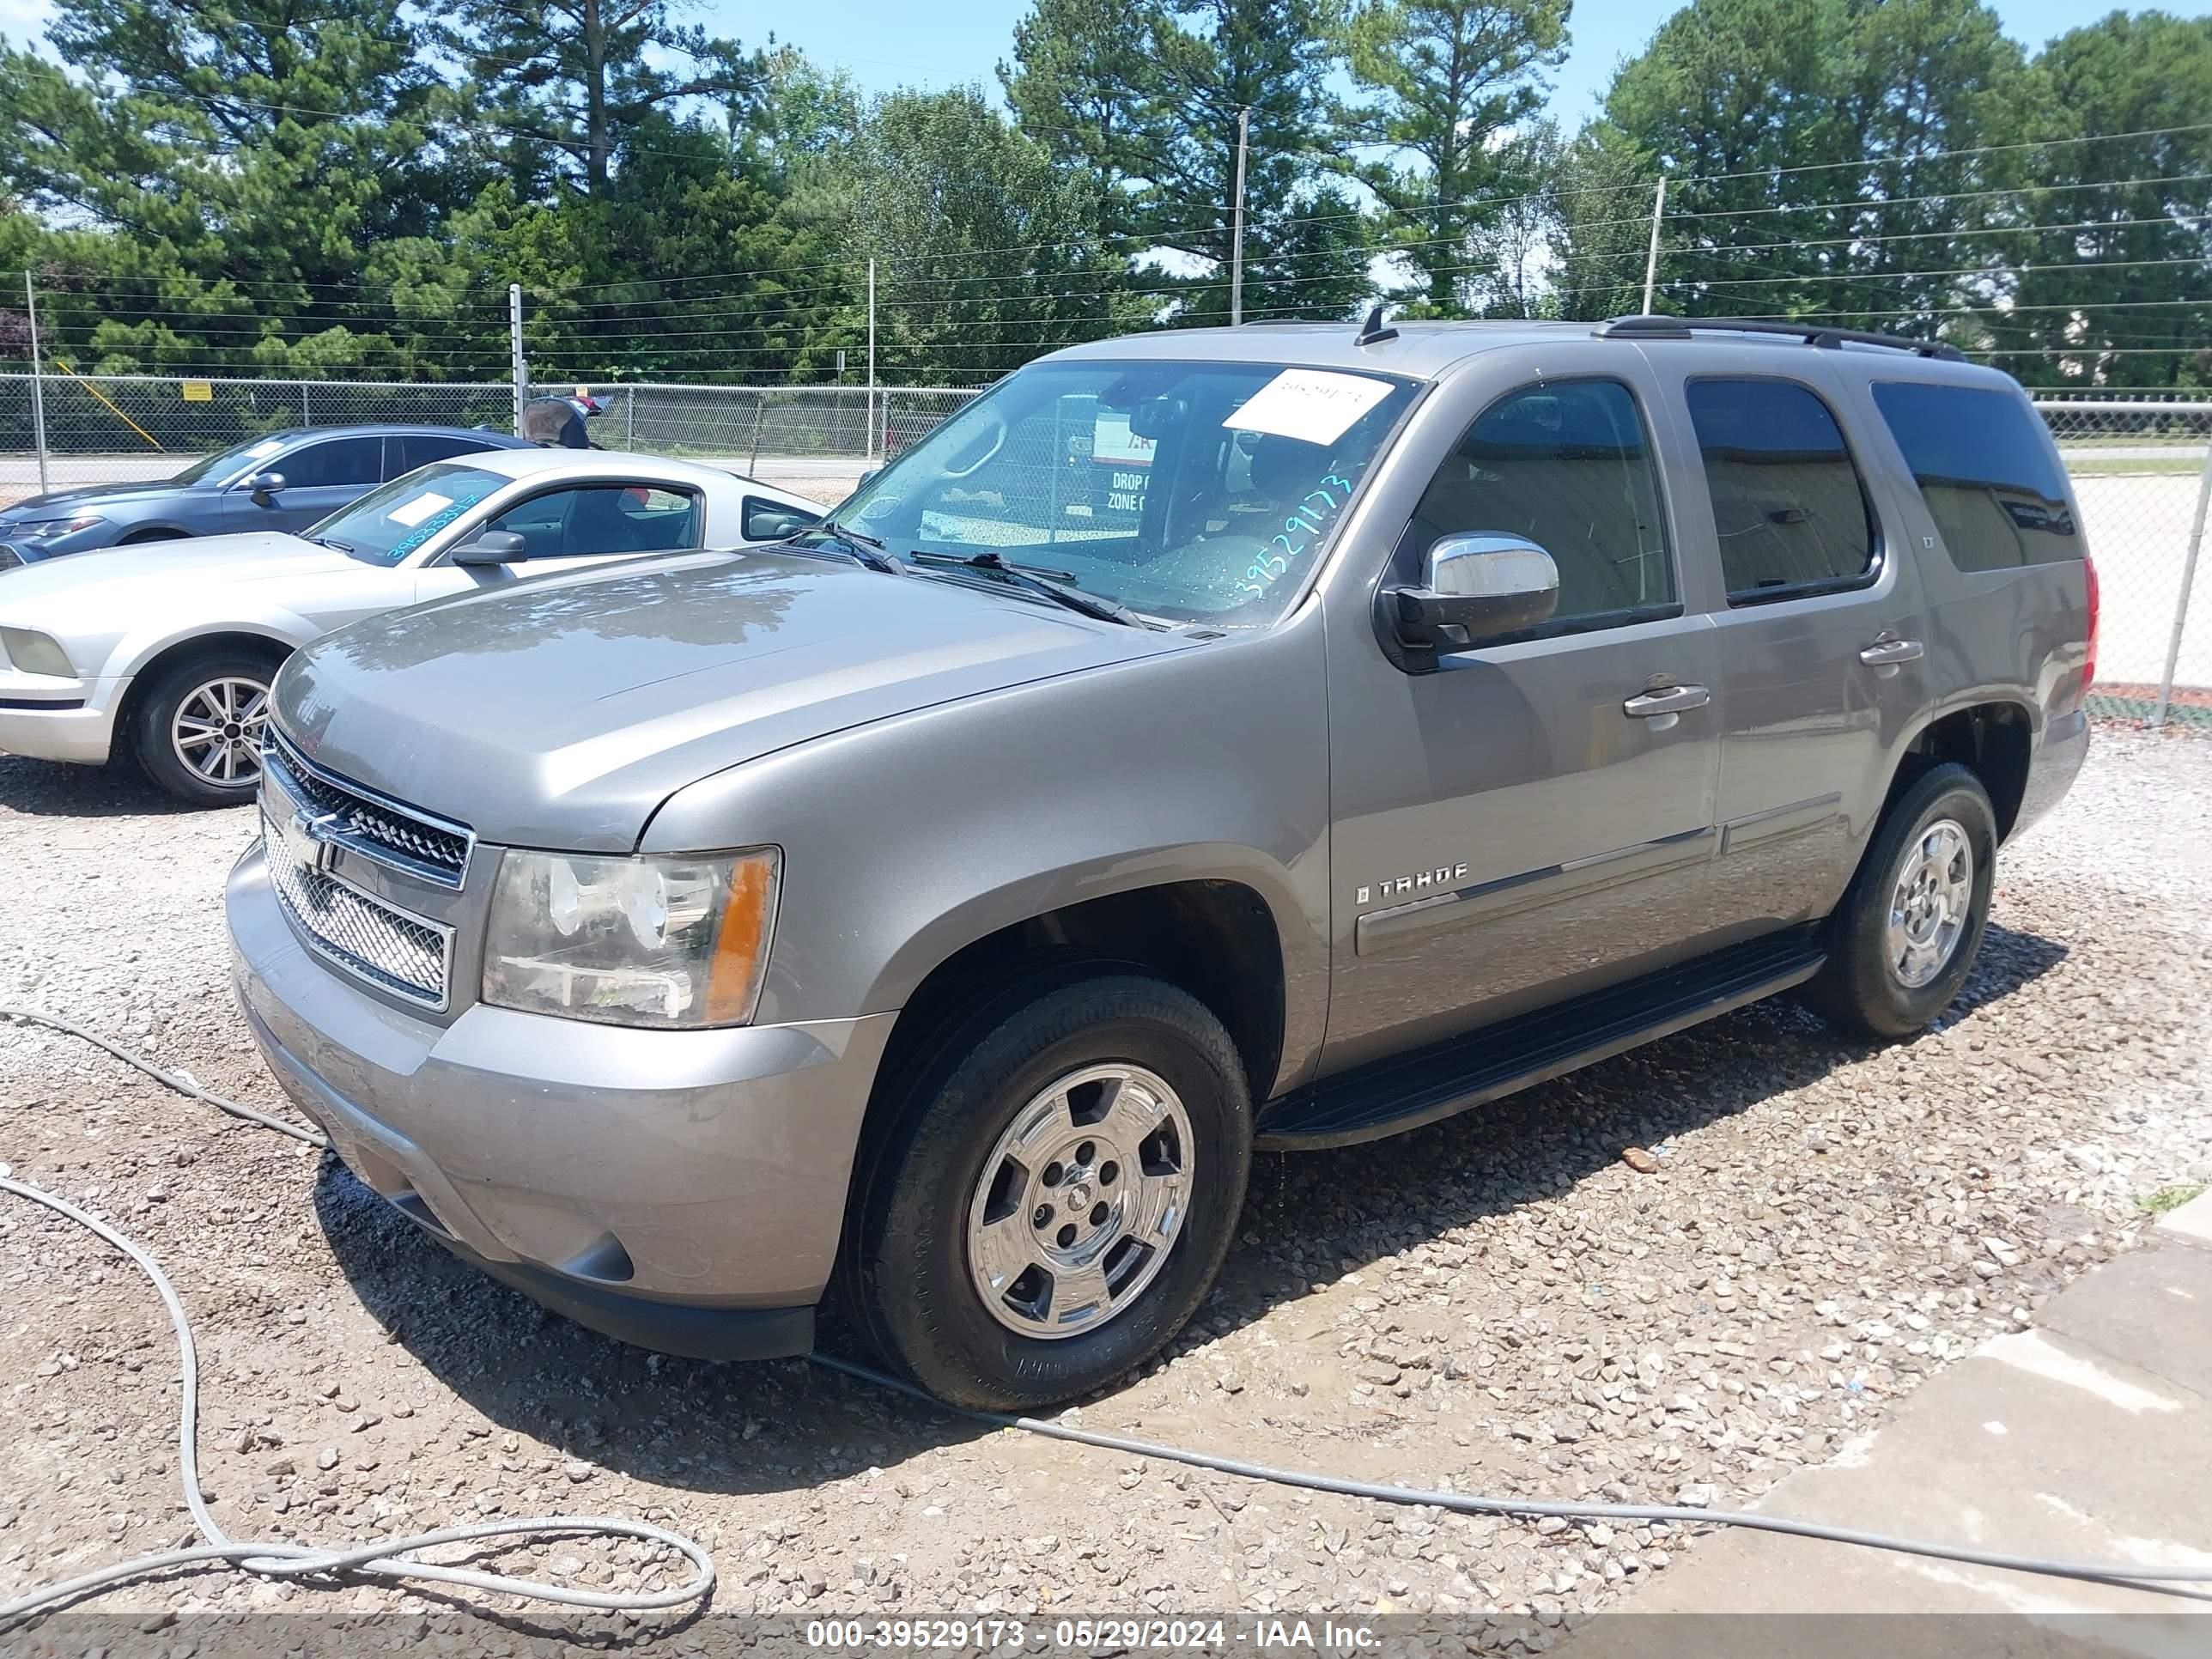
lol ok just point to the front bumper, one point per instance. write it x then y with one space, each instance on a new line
681 1190
43 724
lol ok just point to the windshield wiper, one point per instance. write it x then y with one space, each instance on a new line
1056 585
333 542
864 549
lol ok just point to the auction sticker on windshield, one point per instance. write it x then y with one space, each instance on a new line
411 514
1308 404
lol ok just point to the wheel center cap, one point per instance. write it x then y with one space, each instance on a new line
231 728
1078 1197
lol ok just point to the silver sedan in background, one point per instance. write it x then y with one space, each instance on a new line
167 655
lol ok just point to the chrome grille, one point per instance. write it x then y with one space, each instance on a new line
403 953
363 822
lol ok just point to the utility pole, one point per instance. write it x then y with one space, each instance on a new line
1237 234
38 383
871 362
1651 258
515 347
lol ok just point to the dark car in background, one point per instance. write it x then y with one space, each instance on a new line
285 481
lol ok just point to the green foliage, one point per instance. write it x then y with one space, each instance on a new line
1442 83
569 82
301 187
1145 100
2121 294
1811 142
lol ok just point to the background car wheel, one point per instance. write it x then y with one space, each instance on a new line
1051 1213
1904 938
197 730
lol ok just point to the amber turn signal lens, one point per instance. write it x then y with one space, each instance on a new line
733 980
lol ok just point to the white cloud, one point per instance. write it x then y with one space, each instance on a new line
23 22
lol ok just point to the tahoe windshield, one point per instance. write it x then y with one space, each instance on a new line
386 524
1187 491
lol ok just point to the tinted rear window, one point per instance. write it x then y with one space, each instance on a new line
1986 471
1787 501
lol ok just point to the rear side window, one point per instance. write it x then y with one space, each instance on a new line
1986 471
771 521
1567 465
339 461
1788 503
404 451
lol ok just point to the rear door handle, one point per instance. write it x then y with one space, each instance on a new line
1674 700
1889 650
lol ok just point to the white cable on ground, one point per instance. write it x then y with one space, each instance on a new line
391 1559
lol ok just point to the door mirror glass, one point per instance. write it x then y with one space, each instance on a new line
1475 587
492 547
264 483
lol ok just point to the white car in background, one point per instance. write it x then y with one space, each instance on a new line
167 653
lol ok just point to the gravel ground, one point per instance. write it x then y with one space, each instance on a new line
1498 1304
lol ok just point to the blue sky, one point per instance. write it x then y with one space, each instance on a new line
892 43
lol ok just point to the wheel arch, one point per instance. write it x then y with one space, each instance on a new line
154 662
1993 738
1214 937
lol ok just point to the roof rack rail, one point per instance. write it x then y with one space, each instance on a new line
1650 327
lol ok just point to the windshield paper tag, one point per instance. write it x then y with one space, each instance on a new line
1308 404
411 514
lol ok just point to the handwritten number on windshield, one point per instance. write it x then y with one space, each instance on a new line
1319 506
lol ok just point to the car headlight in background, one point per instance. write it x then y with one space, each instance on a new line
46 529
665 942
35 653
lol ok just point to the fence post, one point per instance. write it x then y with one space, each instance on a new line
629 419
38 382
521 367
871 456
2188 580
307 414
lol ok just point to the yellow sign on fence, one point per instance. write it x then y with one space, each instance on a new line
197 392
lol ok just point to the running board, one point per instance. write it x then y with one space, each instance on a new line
1407 1090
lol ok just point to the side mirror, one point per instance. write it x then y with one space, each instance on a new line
1473 588
492 547
264 483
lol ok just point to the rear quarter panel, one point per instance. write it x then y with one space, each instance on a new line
2018 635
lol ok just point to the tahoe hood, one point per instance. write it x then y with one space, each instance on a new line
560 713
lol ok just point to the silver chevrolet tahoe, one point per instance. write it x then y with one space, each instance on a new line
1271 737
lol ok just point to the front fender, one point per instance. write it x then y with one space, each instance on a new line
907 839
143 645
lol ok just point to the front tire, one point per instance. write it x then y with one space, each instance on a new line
1904 938
197 730
1050 1215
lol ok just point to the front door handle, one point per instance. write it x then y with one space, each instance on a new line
1670 700
1889 650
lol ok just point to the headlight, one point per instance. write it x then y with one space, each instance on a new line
665 942
35 653
46 530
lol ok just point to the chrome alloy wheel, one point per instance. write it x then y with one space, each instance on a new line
1080 1201
1931 903
216 731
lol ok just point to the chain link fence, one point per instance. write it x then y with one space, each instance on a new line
115 428
2140 469
2139 465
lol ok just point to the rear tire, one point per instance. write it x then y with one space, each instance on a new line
197 731
1903 939
1051 1214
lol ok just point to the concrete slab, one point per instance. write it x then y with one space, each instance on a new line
2088 1438
2154 1307
2192 1222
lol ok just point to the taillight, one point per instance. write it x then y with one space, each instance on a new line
2089 662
